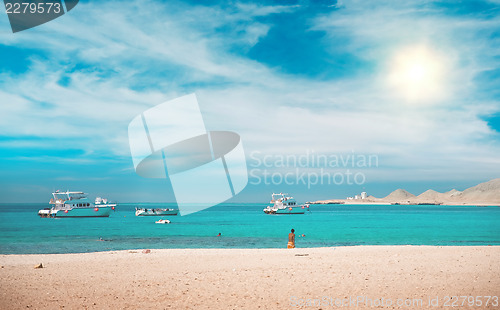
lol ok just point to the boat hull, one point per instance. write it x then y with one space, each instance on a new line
156 212
297 210
77 212
288 211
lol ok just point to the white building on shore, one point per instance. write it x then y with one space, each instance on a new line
363 195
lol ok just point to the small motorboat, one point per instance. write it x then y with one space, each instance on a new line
153 212
162 222
285 204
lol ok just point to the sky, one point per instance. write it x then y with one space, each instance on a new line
412 84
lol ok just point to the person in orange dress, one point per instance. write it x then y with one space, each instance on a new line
291 239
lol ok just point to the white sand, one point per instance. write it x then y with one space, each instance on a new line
250 278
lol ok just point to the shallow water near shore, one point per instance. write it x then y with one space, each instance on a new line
246 226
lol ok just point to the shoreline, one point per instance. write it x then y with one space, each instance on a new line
399 203
162 250
247 278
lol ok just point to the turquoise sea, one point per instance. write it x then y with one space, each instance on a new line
246 226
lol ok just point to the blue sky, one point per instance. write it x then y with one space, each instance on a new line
414 83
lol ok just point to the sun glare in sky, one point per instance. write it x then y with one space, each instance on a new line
417 74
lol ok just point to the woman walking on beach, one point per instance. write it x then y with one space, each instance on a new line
291 239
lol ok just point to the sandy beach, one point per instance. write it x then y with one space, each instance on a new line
362 277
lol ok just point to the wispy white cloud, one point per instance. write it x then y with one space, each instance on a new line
124 49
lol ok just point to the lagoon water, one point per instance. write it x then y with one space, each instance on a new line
246 226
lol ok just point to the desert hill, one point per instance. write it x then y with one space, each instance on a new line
398 195
487 193
430 194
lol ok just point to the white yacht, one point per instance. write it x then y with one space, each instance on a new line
153 212
285 204
76 204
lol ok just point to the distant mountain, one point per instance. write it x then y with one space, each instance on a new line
484 193
452 193
399 194
487 191
430 195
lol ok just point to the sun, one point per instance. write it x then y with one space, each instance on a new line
416 73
